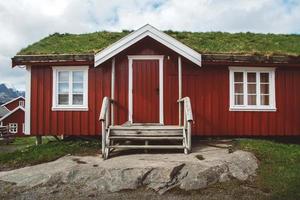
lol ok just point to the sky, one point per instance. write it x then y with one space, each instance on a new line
24 22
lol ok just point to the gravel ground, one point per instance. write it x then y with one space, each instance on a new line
225 191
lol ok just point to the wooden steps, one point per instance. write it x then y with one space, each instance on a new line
147 146
161 137
144 138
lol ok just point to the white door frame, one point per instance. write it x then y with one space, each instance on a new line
160 58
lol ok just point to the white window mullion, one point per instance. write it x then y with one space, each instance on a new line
57 87
245 80
258 103
272 89
70 88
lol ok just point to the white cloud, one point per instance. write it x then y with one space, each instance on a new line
25 21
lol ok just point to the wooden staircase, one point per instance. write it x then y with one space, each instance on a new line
148 134
145 136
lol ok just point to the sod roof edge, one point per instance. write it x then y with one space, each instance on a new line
206 58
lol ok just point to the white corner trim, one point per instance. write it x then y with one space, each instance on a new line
141 33
55 106
19 97
256 108
130 84
28 101
113 75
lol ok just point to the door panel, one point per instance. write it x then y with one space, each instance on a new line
145 92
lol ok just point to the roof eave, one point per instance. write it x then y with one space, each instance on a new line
51 58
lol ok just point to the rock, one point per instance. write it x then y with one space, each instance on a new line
160 172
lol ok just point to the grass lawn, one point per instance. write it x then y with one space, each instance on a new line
279 169
50 150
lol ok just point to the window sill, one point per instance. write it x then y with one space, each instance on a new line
271 109
70 108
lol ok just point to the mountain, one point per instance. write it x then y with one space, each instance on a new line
7 93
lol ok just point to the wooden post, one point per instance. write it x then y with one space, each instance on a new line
112 90
103 137
38 140
189 135
179 88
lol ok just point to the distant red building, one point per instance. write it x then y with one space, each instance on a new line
12 114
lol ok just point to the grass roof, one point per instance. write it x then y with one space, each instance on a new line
203 42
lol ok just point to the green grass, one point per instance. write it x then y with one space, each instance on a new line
279 169
27 141
49 151
203 42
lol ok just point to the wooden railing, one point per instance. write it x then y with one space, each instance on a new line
105 120
187 120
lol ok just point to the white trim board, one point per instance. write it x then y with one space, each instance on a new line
155 34
130 84
28 101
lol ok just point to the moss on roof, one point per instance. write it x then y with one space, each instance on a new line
203 42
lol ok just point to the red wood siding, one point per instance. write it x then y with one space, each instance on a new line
16 117
145 92
12 105
207 86
44 121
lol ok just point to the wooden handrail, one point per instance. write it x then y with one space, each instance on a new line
188 120
105 121
104 108
187 108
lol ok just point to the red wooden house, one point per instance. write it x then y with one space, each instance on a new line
14 116
146 76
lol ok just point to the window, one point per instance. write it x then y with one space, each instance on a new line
22 103
252 89
23 128
13 127
70 88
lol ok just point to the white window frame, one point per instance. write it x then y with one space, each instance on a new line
70 107
258 107
22 103
15 127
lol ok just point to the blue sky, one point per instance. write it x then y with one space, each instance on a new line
23 22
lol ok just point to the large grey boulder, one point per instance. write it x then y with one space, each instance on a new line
160 172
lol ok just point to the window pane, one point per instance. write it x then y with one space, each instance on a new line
264 77
251 99
239 99
77 87
238 88
251 77
251 88
238 77
63 76
78 76
265 100
264 88
78 99
63 88
63 99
